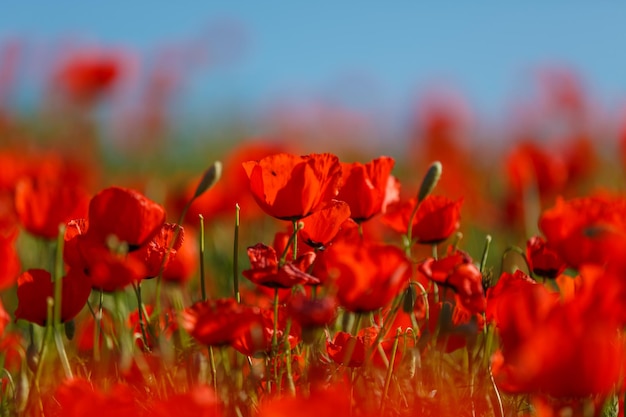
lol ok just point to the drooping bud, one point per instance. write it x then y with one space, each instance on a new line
430 180
70 329
209 178
410 296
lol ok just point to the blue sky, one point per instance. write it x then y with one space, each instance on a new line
364 54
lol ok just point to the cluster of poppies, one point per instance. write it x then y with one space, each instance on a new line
363 301
359 294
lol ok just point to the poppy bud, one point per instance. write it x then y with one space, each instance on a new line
209 178
32 357
408 302
70 329
430 180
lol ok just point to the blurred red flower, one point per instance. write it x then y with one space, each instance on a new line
312 312
508 284
257 338
35 286
457 271
565 350
86 75
586 230
219 322
290 187
436 219
77 397
183 266
4 319
124 239
126 214
361 345
335 400
542 260
10 267
157 253
367 275
42 205
269 271
199 401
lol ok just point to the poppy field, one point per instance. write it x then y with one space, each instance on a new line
258 277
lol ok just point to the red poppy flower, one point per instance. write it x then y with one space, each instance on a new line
219 322
108 270
323 225
12 348
198 401
586 230
258 338
232 188
85 332
457 271
543 261
291 187
126 214
338 348
335 400
35 286
367 275
562 350
365 187
531 166
10 266
267 270
454 324
437 218
163 325
309 313
86 75
42 205
184 265
165 243
4 319
77 397
508 284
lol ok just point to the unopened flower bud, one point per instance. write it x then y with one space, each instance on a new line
430 180
209 178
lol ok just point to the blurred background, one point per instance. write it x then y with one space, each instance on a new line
363 68
522 103
510 97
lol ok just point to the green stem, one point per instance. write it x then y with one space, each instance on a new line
483 259
202 283
98 328
352 341
58 277
58 339
291 243
213 367
389 371
497 392
34 383
295 240
275 329
140 316
291 385
236 255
